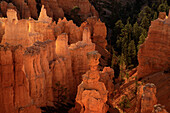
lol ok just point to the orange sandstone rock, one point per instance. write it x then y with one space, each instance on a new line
92 94
153 55
146 98
79 58
158 108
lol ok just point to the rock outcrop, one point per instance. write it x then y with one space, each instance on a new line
27 32
92 94
146 98
63 53
17 31
4 6
14 86
79 58
161 80
106 76
73 31
98 37
37 54
55 8
154 53
158 108
2 30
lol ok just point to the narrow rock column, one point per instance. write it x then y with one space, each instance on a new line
92 94
87 35
146 98
63 52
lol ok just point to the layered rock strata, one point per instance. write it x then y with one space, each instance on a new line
15 86
98 37
27 32
154 53
31 73
31 68
79 58
92 94
146 98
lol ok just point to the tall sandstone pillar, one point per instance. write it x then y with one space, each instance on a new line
92 94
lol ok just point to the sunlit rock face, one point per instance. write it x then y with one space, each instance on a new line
73 31
153 55
98 37
36 54
27 32
14 85
106 76
92 94
146 98
63 53
79 58
43 16
17 31
2 29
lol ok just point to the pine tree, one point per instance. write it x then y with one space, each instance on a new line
117 30
122 67
118 26
145 23
155 16
146 12
131 52
162 8
136 32
114 58
141 40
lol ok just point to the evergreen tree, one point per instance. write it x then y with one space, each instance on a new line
145 23
131 52
122 67
141 40
114 58
155 16
117 30
162 8
146 12
118 26
136 32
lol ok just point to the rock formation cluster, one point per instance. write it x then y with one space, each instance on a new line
55 8
92 94
34 59
37 54
153 55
